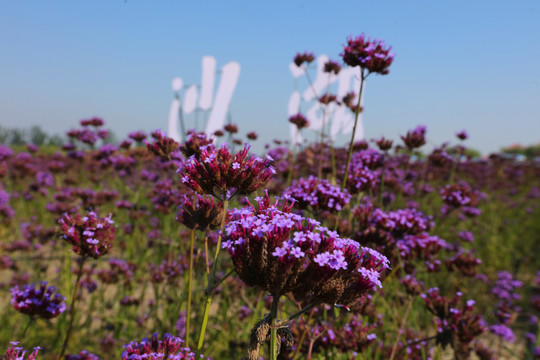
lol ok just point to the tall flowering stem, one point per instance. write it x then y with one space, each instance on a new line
371 56
190 283
357 112
90 236
200 214
72 309
211 286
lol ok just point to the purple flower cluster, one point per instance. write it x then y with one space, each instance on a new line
420 246
119 269
282 252
363 174
503 332
318 194
169 270
137 136
305 57
169 347
505 290
456 326
505 287
299 120
385 228
18 353
82 355
465 262
415 138
5 208
217 172
38 301
161 145
90 236
355 336
371 55
5 152
202 214
195 143
458 195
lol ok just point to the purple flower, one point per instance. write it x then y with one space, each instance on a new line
169 347
283 252
5 152
217 172
18 353
371 55
318 194
415 138
40 301
90 236
466 236
82 355
462 135
504 332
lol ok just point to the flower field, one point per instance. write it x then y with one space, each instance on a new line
158 249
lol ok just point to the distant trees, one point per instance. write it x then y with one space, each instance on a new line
530 151
37 136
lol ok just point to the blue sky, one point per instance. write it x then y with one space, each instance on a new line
471 65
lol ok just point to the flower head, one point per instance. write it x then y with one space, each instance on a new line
372 55
456 326
90 236
332 67
319 194
162 145
218 172
282 252
17 353
299 120
82 355
202 214
306 57
40 301
169 347
415 138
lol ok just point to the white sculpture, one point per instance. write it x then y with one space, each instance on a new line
218 105
338 118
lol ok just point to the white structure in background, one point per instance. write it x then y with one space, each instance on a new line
217 105
338 119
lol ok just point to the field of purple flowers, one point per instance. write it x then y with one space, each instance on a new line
154 249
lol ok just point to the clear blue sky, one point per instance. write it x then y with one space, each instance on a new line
471 65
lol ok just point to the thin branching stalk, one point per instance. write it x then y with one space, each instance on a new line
30 321
211 285
362 78
415 343
190 283
72 310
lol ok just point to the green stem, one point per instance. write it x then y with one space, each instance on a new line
273 328
72 310
30 321
190 281
211 286
362 78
